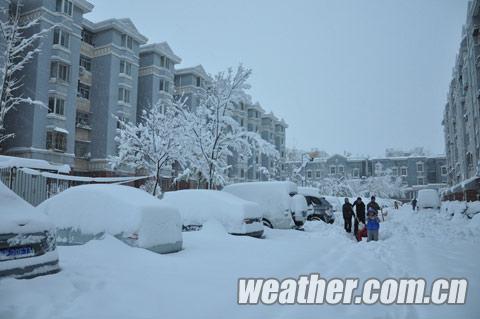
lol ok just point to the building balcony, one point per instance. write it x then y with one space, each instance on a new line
82 134
85 76
81 164
87 49
83 105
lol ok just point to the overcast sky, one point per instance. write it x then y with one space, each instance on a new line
350 75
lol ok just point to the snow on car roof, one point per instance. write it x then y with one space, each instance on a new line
309 191
15 212
97 208
197 206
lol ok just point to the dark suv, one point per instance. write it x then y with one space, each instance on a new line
319 209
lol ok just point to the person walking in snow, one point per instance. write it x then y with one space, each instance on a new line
359 213
373 224
414 204
347 210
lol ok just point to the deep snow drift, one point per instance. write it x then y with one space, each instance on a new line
108 279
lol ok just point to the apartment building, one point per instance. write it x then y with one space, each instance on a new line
461 117
51 77
114 86
156 76
259 166
88 74
416 172
190 84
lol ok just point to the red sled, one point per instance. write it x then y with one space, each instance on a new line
362 233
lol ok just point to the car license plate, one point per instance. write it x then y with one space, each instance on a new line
14 253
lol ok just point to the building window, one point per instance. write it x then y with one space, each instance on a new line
420 181
420 167
356 173
125 68
164 85
82 120
242 173
87 36
395 171
403 171
56 105
127 41
56 141
199 83
82 150
318 174
309 174
83 91
341 169
60 71
444 170
86 63
64 6
61 37
124 95
333 170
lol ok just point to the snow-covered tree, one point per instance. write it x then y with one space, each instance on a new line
18 47
155 143
215 134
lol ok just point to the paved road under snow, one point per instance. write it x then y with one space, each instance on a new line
107 279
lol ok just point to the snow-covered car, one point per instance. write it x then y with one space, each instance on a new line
196 206
428 199
87 212
27 238
281 205
318 207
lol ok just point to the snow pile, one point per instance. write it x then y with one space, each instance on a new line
199 206
12 161
88 211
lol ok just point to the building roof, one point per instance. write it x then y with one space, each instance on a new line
161 48
197 70
124 25
84 5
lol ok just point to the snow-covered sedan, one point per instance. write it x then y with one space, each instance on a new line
280 202
87 212
27 239
238 216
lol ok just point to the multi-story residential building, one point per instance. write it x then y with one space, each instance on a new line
156 76
51 77
191 83
88 74
461 120
114 73
416 172
259 166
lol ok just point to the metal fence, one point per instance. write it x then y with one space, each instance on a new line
32 188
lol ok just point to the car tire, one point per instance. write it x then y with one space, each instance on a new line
267 223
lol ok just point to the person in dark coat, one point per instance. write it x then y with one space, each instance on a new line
373 204
414 204
347 210
360 213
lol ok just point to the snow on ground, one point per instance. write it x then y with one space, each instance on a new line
108 279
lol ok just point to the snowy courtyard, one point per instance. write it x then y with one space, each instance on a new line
108 279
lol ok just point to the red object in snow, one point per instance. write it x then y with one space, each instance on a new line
362 233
